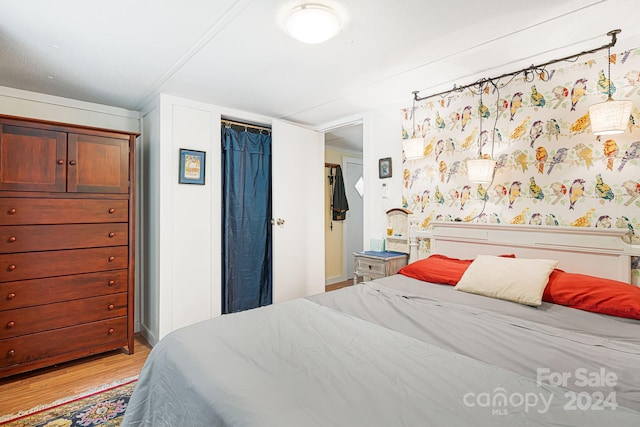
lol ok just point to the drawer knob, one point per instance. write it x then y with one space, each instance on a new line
111 282
11 239
61 161
11 353
111 258
11 211
11 324
112 210
369 267
11 296
111 331
11 267
112 234
111 307
72 162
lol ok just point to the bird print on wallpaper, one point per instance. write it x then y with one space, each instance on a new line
428 219
536 219
535 132
521 218
604 221
482 193
633 190
605 85
577 92
483 110
537 99
426 194
466 116
558 157
541 158
516 103
454 118
553 128
521 159
439 149
584 220
535 190
576 191
454 195
406 174
442 167
520 130
633 152
469 139
559 190
438 196
501 161
585 153
465 194
623 222
514 192
560 93
610 151
581 125
550 219
453 169
440 123
633 81
603 190
501 192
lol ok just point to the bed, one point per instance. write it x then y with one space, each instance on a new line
402 351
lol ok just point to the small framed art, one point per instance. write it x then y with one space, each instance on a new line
384 167
192 166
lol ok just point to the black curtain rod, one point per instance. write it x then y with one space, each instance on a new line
613 34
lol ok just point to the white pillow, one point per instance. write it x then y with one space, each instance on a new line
520 280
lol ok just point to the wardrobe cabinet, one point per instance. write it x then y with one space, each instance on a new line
66 242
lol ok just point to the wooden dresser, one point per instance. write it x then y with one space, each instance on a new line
67 214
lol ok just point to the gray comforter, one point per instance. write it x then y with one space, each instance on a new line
394 352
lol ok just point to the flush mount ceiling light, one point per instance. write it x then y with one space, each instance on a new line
610 117
313 23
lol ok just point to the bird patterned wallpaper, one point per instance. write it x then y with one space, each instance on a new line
550 168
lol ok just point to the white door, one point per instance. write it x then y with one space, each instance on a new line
298 211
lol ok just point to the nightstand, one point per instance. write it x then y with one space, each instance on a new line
377 264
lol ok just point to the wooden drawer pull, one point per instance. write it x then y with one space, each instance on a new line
72 162
11 239
111 307
11 324
11 211
11 267
111 235
111 282
60 161
11 353
111 258
11 296
111 331
112 210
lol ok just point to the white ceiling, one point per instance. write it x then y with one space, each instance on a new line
233 53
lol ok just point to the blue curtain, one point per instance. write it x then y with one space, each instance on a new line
246 213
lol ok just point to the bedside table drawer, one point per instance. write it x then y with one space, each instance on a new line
366 266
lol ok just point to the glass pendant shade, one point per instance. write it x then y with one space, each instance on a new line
610 117
480 171
413 148
311 23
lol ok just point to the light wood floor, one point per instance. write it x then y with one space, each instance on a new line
43 386
25 391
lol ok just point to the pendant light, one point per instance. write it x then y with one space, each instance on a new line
610 117
413 147
481 169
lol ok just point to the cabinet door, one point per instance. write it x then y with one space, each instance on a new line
97 164
32 159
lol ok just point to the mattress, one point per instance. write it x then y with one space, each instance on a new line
394 352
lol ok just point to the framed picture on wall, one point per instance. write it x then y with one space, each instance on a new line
192 166
384 167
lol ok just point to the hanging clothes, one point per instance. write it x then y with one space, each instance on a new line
339 203
246 211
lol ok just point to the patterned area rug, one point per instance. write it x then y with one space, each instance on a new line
104 407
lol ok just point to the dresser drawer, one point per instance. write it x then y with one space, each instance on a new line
34 265
26 293
23 321
18 211
28 238
371 267
31 348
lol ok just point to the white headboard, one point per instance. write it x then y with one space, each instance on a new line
596 252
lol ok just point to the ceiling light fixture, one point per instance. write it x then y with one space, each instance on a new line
413 146
610 117
313 23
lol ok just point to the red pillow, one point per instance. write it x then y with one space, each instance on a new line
439 269
594 294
